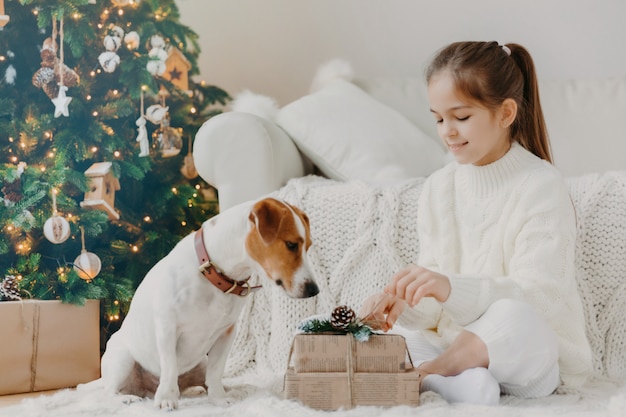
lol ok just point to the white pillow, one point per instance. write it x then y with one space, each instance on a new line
349 135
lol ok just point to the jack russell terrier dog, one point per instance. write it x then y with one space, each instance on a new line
180 324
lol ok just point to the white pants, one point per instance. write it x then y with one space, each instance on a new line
523 350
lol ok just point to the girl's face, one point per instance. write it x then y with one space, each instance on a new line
472 133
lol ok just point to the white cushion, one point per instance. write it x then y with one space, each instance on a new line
349 135
585 123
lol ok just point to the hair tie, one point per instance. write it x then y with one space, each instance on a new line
506 49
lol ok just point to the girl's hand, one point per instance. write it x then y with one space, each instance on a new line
380 311
414 283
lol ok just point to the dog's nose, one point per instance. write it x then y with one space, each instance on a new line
310 289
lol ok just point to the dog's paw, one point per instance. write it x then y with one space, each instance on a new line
195 391
221 401
166 399
131 399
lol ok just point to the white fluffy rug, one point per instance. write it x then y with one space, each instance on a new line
89 400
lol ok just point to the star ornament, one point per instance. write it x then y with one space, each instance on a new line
175 74
61 103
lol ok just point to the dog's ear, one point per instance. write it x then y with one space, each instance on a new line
267 215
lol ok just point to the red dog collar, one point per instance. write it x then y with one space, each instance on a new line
221 281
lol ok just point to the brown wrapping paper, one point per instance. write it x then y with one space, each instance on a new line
329 372
315 352
48 345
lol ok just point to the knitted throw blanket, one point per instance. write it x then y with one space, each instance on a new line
362 234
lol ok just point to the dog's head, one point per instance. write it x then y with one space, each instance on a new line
278 241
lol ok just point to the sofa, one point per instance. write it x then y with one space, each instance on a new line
354 153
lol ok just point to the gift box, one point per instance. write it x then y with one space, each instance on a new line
330 353
48 345
330 371
334 390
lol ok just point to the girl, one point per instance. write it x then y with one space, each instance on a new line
493 304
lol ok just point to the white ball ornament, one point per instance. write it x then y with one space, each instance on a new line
56 229
87 265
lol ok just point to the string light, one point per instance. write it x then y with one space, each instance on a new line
174 190
147 219
116 154
94 149
193 110
135 248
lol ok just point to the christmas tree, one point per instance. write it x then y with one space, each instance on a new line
97 118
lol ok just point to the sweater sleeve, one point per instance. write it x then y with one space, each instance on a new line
427 313
540 245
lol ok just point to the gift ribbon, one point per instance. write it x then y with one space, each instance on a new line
34 341
350 365
33 359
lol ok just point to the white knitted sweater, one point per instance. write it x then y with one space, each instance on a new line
503 230
361 234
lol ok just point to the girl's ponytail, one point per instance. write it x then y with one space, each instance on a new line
531 129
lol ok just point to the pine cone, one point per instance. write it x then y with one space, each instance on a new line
13 191
9 289
342 317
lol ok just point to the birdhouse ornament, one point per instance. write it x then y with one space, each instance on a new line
102 188
4 19
177 68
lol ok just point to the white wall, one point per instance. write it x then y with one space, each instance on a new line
274 47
